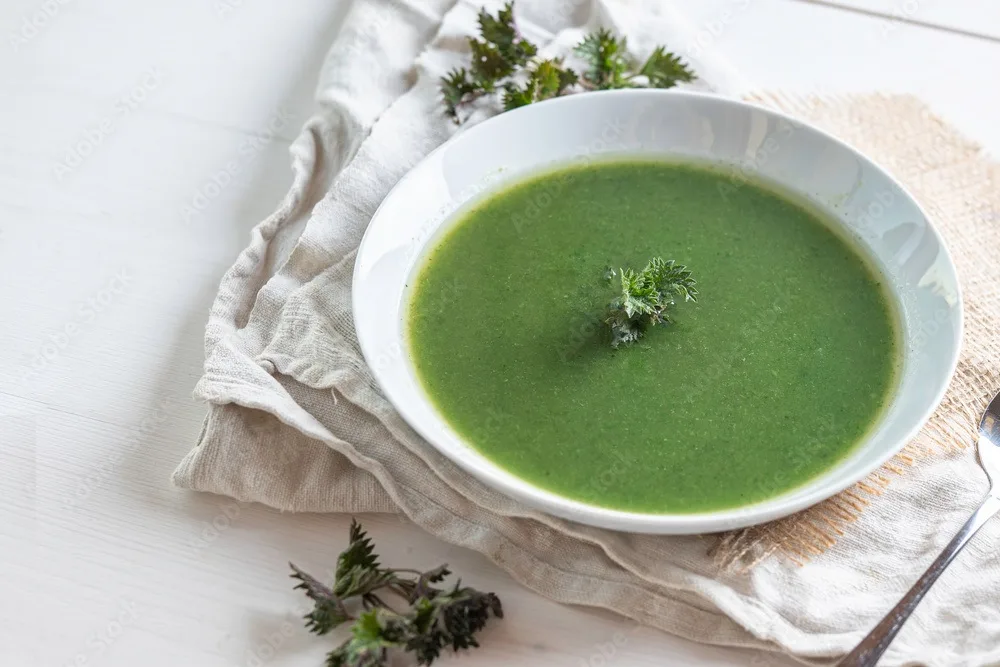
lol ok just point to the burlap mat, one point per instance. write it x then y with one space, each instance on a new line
960 189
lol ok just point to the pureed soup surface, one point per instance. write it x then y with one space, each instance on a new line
772 377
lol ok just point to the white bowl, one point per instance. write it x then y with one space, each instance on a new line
873 208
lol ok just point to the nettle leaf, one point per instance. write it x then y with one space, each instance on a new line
669 277
547 79
502 33
546 76
665 70
360 553
456 88
372 636
606 58
450 619
646 298
435 618
488 64
329 611
625 332
515 96
609 65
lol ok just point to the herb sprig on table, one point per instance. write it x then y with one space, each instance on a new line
646 297
434 618
504 62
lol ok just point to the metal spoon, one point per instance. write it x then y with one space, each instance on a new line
868 652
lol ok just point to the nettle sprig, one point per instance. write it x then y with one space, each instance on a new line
646 297
435 617
504 62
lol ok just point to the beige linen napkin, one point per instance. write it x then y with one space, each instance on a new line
296 421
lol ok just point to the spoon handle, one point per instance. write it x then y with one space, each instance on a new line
871 648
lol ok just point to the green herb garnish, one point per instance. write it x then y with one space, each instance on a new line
503 60
546 79
435 618
646 297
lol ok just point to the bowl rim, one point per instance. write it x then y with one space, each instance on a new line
742 516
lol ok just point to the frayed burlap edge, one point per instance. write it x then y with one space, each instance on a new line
960 188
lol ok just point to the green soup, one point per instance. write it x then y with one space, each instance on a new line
770 379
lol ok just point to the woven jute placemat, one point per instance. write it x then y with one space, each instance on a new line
959 187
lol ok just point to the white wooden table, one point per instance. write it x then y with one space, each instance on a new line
116 119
